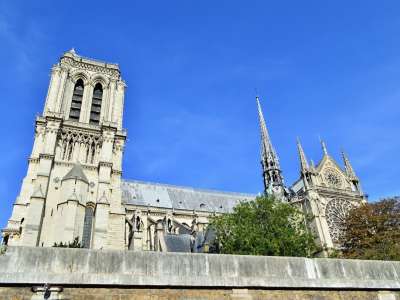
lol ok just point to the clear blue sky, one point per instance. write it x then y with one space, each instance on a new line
191 68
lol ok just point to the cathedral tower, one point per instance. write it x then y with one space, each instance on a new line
272 174
72 187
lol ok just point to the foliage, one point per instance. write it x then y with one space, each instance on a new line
74 244
3 249
264 226
372 231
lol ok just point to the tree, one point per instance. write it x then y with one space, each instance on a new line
372 231
264 226
74 244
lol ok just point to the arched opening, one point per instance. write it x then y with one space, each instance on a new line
169 226
138 223
96 104
5 240
76 103
87 227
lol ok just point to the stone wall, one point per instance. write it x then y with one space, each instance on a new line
89 293
100 274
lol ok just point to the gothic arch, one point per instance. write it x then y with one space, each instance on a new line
84 76
98 78
97 99
77 100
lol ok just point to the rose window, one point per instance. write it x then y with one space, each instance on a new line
336 212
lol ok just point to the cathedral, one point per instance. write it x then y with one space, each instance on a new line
74 189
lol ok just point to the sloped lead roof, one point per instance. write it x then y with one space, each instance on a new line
76 173
178 243
177 197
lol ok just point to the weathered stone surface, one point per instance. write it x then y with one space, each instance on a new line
26 265
84 293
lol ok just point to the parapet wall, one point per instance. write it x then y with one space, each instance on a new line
79 267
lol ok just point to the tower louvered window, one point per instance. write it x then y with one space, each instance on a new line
76 103
96 104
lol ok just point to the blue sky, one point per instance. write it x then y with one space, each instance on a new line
322 69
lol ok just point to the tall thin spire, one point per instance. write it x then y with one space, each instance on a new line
347 166
266 145
303 160
273 179
312 164
323 145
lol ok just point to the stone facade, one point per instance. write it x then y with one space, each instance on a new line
75 135
326 192
73 187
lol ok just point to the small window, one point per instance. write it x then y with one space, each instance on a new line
96 104
76 102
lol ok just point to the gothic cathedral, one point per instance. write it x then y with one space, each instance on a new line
73 188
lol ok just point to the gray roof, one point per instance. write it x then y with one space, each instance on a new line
177 197
76 173
178 243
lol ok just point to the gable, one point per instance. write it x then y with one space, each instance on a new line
330 174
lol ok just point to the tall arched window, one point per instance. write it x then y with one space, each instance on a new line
87 227
76 101
96 104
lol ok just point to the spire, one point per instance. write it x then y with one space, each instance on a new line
266 145
312 164
323 145
347 166
273 179
303 160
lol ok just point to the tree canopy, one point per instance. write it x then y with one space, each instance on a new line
264 226
372 231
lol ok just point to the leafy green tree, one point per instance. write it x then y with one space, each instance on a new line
74 244
372 231
264 226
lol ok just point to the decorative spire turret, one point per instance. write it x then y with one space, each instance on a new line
303 160
323 145
273 179
356 186
347 166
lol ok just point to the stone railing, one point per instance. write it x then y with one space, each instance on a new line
57 266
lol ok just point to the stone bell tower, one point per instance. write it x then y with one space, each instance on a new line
72 187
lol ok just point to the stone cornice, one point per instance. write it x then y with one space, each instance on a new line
116 172
332 192
162 211
46 156
71 164
91 65
33 160
105 164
